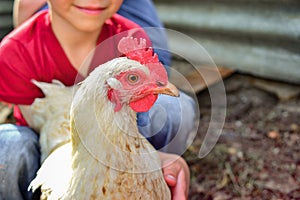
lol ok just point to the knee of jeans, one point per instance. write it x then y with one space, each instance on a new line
8 127
169 113
20 147
21 136
180 109
180 123
168 117
143 119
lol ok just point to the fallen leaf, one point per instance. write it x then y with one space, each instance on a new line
224 182
221 196
294 127
232 150
273 134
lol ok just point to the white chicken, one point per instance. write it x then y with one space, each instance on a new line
107 158
51 115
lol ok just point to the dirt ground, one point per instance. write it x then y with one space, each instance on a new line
258 153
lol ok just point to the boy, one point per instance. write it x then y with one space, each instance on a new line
130 9
53 45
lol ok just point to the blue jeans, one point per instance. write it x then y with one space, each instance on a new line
168 123
19 161
166 126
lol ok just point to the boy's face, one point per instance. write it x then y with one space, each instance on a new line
83 15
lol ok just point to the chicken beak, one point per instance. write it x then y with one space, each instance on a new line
168 89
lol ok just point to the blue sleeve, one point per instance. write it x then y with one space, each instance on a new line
44 7
143 13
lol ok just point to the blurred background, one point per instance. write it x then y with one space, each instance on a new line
6 21
260 37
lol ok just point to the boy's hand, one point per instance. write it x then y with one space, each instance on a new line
177 175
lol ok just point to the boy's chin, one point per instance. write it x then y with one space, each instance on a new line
89 26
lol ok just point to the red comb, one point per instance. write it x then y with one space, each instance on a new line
137 51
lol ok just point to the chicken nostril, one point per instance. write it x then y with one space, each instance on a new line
160 84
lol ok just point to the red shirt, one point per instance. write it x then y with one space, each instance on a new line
33 52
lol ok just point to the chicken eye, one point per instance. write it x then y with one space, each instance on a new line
132 78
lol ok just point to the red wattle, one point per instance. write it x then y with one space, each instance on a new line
143 104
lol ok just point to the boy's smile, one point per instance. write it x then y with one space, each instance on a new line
91 10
